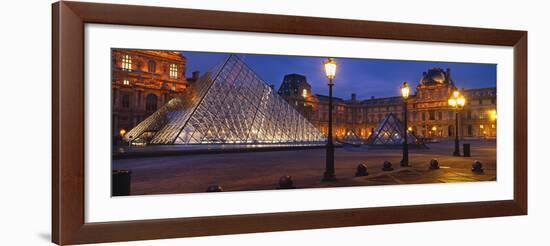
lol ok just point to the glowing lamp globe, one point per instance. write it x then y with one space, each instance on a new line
330 68
405 90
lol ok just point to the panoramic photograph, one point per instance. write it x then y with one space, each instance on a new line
192 122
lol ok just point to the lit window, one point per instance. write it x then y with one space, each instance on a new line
304 93
126 82
173 71
126 63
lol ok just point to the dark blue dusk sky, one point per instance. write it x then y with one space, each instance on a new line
365 77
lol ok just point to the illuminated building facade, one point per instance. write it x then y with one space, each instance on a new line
430 116
142 82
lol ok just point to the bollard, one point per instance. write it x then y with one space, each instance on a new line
286 182
477 167
434 164
361 170
120 182
466 149
387 166
214 188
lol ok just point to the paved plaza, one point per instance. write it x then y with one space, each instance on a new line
262 170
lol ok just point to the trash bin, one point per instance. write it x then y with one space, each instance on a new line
466 149
120 183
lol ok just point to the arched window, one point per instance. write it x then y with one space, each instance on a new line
126 63
151 102
152 67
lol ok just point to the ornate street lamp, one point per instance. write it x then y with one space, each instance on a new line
330 71
457 101
405 93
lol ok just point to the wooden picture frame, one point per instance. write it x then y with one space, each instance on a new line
68 223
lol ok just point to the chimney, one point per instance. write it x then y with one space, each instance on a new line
353 97
196 75
449 74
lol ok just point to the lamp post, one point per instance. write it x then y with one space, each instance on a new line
330 71
457 101
493 115
405 93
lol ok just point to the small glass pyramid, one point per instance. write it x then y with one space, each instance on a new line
351 138
390 132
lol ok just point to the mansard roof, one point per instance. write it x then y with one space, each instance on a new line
436 76
480 92
383 101
325 98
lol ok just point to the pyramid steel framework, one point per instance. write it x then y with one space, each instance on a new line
228 105
390 132
351 138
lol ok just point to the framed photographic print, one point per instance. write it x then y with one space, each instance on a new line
175 122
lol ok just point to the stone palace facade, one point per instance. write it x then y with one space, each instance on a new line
144 80
430 116
141 82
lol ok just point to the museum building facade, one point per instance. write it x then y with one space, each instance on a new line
141 82
429 115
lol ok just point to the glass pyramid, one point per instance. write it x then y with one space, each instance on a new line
390 132
351 138
228 105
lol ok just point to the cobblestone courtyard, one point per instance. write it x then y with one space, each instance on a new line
262 170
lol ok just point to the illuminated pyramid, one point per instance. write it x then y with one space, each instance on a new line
351 138
228 105
390 132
